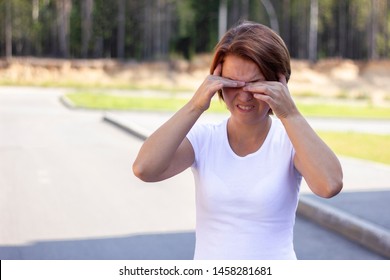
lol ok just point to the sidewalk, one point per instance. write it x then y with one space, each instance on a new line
360 212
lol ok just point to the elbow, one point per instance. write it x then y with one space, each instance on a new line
141 173
331 188
137 171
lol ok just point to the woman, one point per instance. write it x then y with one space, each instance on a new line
248 168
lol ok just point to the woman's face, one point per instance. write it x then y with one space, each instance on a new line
241 103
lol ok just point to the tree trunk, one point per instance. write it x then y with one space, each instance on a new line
156 27
237 10
244 9
35 10
63 14
121 29
86 26
386 28
8 29
373 54
272 15
147 36
313 30
222 18
286 22
342 38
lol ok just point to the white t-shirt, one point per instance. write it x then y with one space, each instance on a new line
245 206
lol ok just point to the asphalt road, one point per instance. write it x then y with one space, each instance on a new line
67 191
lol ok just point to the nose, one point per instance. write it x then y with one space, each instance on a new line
245 96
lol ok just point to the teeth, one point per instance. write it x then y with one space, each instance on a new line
245 107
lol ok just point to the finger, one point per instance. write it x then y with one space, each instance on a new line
231 83
265 98
218 70
259 87
282 79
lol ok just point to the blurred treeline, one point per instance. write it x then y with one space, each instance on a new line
159 29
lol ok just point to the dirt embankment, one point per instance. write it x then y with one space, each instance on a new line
339 78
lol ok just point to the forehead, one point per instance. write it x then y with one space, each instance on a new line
239 68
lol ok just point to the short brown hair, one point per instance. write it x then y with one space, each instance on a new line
259 43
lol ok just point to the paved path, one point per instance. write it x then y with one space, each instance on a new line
67 191
66 186
360 212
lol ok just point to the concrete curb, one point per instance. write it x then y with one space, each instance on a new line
67 102
131 128
367 234
363 232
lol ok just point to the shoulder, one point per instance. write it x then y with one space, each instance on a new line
203 134
278 133
278 129
205 130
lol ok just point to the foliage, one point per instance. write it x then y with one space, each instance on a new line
357 29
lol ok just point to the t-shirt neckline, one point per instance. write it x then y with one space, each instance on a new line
227 144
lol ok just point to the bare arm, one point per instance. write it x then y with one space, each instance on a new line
167 151
313 158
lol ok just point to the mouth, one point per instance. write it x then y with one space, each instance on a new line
245 108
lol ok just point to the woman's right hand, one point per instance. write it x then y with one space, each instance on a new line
202 97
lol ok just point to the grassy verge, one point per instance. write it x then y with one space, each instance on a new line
359 145
344 110
172 103
124 102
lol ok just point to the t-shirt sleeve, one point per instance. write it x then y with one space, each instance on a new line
197 136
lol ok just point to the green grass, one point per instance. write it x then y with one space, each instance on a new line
173 103
359 145
344 111
123 102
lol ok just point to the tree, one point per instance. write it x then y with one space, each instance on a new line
272 15
153 29
86 26
373 54
222 18
205 30
35 10
238 11
121 29
63 13
313 30
8 29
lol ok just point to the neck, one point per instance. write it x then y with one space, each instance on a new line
247 138
249 131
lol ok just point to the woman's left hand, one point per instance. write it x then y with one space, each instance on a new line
276 95
313 158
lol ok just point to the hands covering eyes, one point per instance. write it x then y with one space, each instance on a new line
274 93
